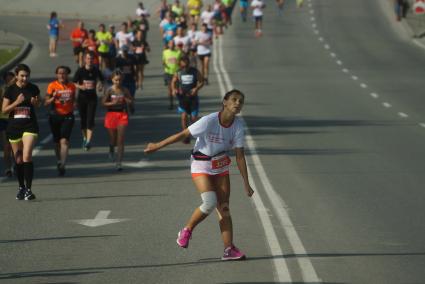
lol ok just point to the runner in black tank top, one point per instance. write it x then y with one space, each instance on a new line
185 85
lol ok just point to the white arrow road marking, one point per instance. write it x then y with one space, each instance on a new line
143 163
101 219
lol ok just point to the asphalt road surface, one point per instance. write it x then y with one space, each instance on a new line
336 127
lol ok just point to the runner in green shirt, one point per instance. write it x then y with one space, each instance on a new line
104 39
170 60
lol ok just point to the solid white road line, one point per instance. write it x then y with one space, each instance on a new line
307 270
280 266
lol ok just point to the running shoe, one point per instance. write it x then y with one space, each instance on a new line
84 143
21 193
233 253
87 147
29 195
61 170
183 237
111 154
119 167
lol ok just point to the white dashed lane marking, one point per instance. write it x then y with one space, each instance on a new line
345 70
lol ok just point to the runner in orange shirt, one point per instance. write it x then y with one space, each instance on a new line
90 44
78 35
60 96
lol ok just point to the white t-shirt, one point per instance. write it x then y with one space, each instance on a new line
213 138
185 40
258 8
203 48
207 18
140 11
124 38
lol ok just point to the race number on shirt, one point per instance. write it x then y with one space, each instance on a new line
89 84
22 112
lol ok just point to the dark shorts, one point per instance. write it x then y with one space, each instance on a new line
78 50
258 18
105 55
131 86
3 124
168 78
204 55
188 104
17 134
141 59
61 126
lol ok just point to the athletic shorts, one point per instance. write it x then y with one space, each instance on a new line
16 135
78 50
168 78
3 124
105 55
201 57
61 126
218 165
258 18
188 104
114 119
53 37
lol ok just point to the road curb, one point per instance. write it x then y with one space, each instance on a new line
26 48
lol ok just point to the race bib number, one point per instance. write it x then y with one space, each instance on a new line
22 112
89 84
220 162
117 98
63 96
172 60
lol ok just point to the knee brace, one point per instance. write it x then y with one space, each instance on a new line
209 202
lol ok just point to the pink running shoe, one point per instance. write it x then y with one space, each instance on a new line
183 237
233 253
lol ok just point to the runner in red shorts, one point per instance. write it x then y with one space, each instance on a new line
116 99
215 134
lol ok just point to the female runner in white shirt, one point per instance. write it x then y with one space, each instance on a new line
215 134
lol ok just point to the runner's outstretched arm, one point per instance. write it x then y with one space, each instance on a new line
153 147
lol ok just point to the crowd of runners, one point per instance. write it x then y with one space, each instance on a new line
111 63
